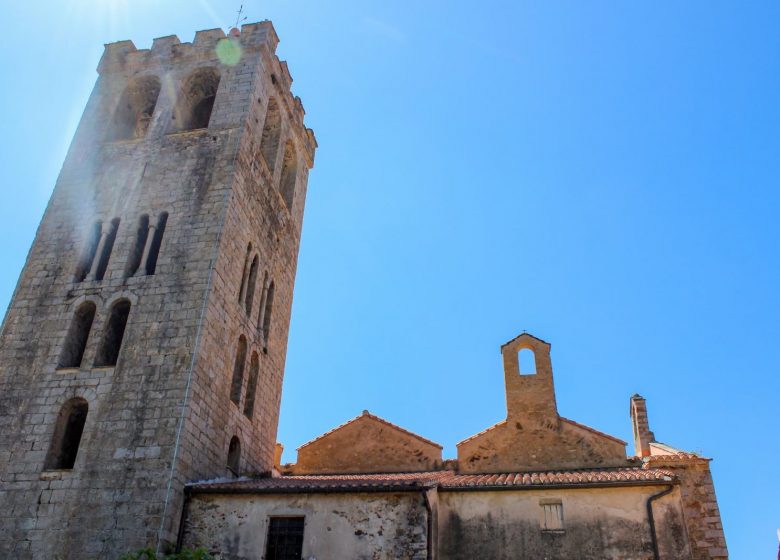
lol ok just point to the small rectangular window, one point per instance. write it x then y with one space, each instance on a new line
552 515
285 538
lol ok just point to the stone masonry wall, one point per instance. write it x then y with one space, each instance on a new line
117 496
700 505
367 444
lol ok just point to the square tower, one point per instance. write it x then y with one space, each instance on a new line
145 343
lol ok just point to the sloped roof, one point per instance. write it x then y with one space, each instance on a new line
486 430
593 430
526 334
583 426
367 414
444 480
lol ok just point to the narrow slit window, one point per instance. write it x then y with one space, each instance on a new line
88 256
234 456
154 249
137 252
272 128
67 435
251 285
108 246
78 334
285 538
289 173
108 354
244 275
267 311
251 388
526 360
238 371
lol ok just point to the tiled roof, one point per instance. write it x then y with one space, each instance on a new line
325 483
678 457
367 414
590 477
446 480
663 453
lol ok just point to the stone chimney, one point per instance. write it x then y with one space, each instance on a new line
642 434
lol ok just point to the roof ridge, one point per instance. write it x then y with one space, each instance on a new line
594 430
525 333
486 430
367 414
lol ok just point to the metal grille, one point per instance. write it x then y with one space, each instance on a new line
285 538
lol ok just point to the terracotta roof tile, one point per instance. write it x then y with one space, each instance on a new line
678 457
446 480
629 475
324 483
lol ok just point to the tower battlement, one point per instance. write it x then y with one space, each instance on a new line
255 39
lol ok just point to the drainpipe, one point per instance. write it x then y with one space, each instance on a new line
651 520
429 509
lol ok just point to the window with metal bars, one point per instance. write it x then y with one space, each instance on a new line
285 538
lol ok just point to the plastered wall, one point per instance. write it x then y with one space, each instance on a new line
378 526
599 524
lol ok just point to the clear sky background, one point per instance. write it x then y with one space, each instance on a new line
602 174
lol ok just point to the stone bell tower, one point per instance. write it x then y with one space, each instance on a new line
145 343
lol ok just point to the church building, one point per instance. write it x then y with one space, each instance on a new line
143 352
535 485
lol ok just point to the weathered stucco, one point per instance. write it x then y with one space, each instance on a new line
357 526
599 524
367 444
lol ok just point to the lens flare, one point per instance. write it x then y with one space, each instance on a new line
228 51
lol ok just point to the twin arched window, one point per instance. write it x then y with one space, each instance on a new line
236 384
142 260
97 252
146 248
78 334
136 105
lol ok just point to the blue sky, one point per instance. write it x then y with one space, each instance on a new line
602 175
